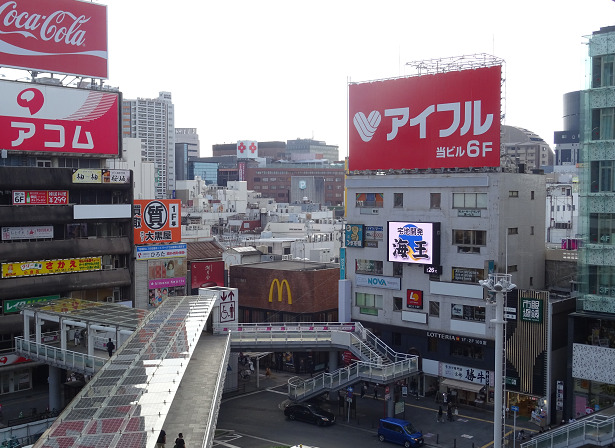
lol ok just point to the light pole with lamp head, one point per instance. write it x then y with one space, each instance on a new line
498 284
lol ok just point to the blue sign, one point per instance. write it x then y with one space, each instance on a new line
342 263
514 408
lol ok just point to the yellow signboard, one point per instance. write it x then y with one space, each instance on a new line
47 267
280 290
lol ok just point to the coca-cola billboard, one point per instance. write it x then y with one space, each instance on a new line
37 117
445 120
59 36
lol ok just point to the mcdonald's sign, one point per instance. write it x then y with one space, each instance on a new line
280 286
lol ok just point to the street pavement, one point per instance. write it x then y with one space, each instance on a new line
472 427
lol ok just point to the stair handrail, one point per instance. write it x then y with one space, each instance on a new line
379 345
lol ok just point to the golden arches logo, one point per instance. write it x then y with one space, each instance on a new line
280 290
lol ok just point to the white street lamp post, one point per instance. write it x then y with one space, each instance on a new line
498 284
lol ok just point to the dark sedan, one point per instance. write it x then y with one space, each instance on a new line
309 413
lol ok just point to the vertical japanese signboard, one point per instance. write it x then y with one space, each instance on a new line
157 221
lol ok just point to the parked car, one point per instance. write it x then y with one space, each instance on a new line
399 431
310 413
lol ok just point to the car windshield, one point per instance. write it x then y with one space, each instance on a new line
314 409
410 429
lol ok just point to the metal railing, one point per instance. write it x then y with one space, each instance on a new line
212 416
595 430
300 389
78 362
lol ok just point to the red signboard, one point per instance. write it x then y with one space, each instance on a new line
207 273
59 36
157 221
40 197
35 117
414 299
446 120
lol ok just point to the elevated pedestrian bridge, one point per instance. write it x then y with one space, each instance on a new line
595 430
169 373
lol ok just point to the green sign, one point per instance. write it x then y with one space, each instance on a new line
512 381
14 306
531 310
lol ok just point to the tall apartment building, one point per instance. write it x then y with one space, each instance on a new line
591 384
153 121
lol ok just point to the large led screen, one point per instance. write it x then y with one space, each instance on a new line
413 242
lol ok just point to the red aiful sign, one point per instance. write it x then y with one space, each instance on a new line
446 120
59 36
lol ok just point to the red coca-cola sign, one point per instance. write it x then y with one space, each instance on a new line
59 36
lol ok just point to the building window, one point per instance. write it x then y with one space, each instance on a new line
512 268
369 200
468 275
513 194
434 308
398 200
432 345
42 163
398 269
602 176
513 230
397 304
469 200
531 195
602 228
463 350
468 312
434 200
469 241
368 266
531 230
369 303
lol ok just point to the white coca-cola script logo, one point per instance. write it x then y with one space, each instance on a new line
59 26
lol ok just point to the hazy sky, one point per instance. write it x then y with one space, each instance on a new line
278 70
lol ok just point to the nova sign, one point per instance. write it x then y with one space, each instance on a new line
375 281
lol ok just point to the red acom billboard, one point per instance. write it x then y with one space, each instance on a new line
446 120
60 36
37 117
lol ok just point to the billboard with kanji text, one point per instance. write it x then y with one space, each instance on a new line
157 221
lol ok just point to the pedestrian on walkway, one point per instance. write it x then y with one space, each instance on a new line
375 391
110 347
162 439
449 413
77 340
180 442
440 414
363 390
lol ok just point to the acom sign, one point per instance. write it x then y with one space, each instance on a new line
279 287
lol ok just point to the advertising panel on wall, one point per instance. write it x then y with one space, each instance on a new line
59 36
353 235
165 278
413 242
157 221
43 118
26 233
46 267
162 251
40 197
204 274
444 120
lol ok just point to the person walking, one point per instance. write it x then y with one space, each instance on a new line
180 442
375 391
162 439
449 413
77 338
440 414
110 347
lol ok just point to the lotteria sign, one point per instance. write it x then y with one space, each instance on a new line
446 120
377 281
59 36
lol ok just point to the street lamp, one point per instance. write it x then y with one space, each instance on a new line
498 284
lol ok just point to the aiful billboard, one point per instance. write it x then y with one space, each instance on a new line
446 120
59 36
413 242
42 118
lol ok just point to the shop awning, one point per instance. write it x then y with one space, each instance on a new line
463 385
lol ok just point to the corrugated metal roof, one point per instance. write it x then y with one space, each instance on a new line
204 250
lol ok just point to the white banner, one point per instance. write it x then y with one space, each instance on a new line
26 233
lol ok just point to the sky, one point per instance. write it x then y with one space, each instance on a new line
278 70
